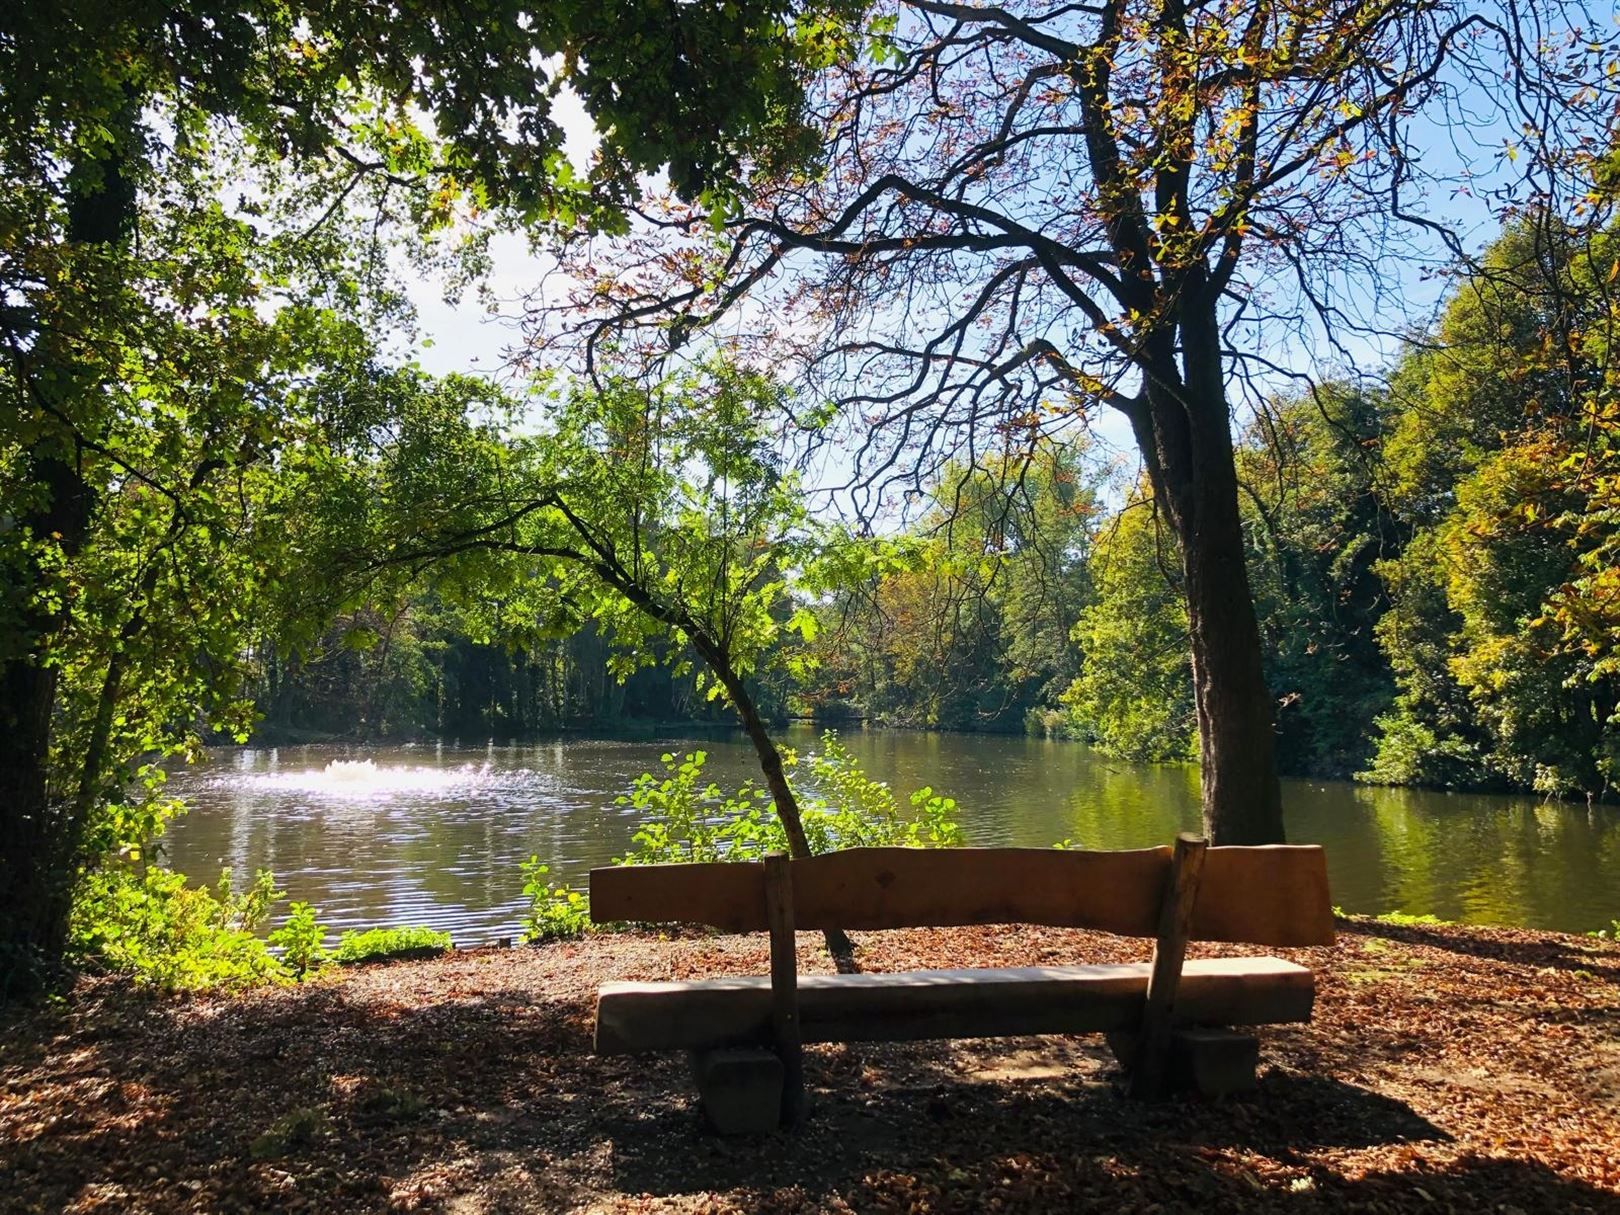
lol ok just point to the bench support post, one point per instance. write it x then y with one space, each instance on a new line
1214 1062
785 1032
740 1089
1169 951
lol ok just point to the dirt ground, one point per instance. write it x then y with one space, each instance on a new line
1447 1069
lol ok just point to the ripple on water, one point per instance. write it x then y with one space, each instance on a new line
437 834
366 780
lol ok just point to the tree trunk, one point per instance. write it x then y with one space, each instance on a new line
34 890
39 830
839 945
1185 434
37 825
1236 730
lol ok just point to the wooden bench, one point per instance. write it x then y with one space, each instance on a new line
747 1033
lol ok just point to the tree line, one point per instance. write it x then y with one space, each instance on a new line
1427 549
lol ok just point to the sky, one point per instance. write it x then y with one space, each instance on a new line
468 337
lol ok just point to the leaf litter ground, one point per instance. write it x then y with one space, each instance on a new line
1447 1069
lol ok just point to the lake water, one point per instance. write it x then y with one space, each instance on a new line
434 833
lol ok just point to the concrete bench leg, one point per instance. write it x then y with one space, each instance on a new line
1209 1062
741 1089
1214 1062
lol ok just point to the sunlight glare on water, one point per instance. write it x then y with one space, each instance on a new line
436 834
348 779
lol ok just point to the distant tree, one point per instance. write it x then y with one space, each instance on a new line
1500 468
1318 523
974 632
1133 695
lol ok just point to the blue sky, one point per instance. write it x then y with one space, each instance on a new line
469 337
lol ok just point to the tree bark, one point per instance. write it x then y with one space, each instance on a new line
1184 431
839 945
39 827
1242 797
37 848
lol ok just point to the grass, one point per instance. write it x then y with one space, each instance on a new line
1396 919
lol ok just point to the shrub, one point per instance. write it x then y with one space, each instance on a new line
1403 919
301 941
149 924
683 817
379 944
555 913
850 810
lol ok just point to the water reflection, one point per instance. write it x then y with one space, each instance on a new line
434 834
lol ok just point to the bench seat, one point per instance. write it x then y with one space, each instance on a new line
708 1014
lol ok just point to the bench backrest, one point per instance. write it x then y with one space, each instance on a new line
1275 895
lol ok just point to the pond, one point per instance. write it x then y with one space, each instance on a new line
434 833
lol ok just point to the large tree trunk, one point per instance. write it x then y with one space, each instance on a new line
33 895
37 844
1236 730
1185 434
39 826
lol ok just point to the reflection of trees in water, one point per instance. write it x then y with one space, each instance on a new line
451 848
1477 857
1120 805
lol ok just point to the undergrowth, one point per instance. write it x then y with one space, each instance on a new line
149 924
380 944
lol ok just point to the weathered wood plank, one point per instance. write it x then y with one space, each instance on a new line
941 887
1266 895
1164 976
1262 896
736 1011
728 895
784 984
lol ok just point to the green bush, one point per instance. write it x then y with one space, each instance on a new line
685 818
301 940
850 810
1404 919
682 817
149 924
144 921
378 944
556 913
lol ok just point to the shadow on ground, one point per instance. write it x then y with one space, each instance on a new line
486 1099
1565 953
